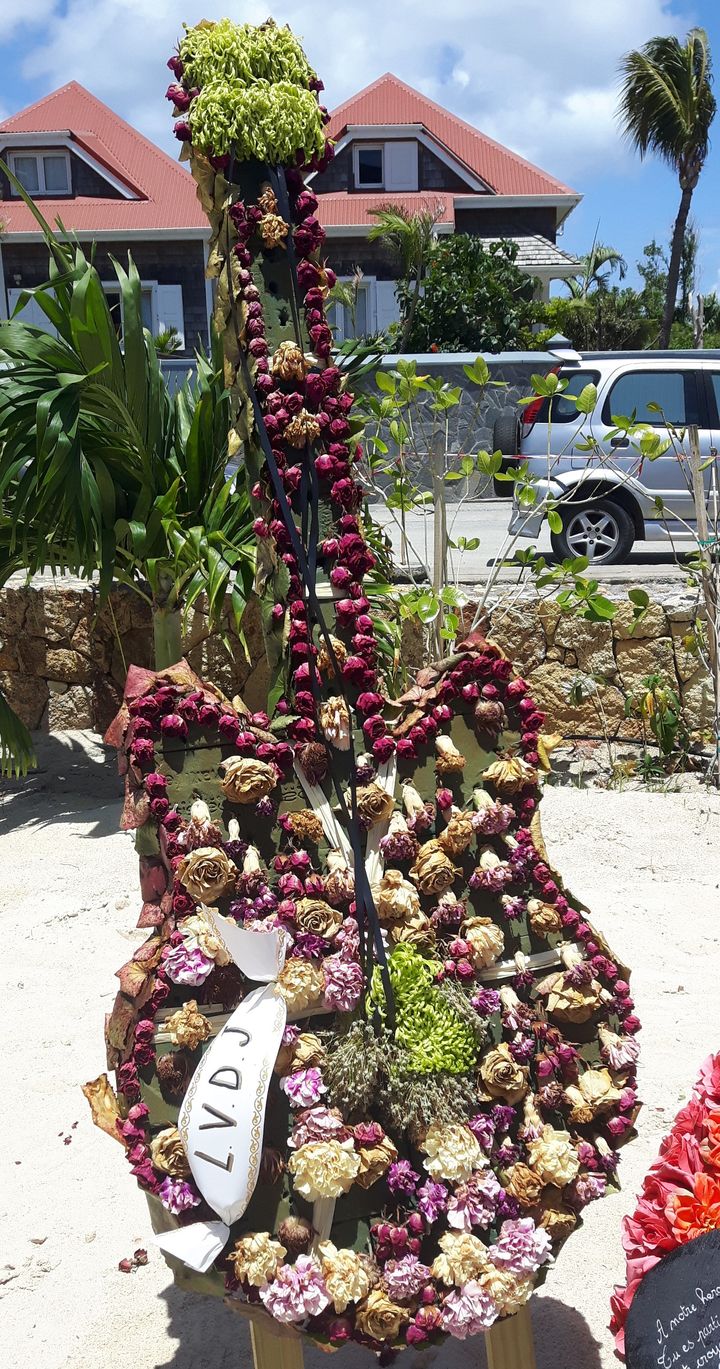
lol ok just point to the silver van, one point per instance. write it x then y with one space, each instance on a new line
611 495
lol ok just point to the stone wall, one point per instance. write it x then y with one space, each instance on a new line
63 659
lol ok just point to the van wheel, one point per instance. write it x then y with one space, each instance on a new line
506 439
598 529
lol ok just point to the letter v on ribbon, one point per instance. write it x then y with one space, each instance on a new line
223 1113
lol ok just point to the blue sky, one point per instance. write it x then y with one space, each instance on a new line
538 76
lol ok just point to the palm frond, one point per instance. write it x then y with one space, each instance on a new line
666 101
17 754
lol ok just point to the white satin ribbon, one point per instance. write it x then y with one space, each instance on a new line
223 1113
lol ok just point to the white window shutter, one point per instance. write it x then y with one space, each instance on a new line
387 310
32 314
170 309
401 165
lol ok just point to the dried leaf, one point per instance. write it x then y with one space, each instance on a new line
103 1105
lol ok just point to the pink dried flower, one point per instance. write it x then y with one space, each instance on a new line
297 1292
177 1195
343 982
304 1088
468 1312
403 1279
521 1247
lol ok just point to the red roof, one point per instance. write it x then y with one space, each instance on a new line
340 208
390 101
165 191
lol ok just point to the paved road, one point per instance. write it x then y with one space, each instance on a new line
488 520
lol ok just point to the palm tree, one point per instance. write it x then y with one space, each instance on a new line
667 107
411 236
597 266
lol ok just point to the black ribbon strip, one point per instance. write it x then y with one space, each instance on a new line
305 553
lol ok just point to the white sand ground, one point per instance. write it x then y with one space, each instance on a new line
647 864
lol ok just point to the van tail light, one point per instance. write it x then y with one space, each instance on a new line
532 411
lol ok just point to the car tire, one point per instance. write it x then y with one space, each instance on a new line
506 439
597 528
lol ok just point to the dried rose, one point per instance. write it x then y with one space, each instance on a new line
524 1184
324 662
433 871
305 1052
296 1235
207 874
416 931
375 1160
167 1153
457 835
380 1318
485 938
198 932
396 898
334 719
490 716
374 804
448 761
502 1076
273 230
594 1094
568 1001
306 826
174 1071
544 918
257 1258
187 1027
317 918
247 780
301 984
553 1157
555 1217
511 774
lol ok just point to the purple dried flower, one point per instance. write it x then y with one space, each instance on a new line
185 966
521 1247
503 1116
522 1049
304 1088
474 1203
177 1195
432 1200
513 907
308 947
486 1002
483 1129
402 1178
343 982
403 1279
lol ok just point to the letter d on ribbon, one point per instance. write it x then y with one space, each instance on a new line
223 1114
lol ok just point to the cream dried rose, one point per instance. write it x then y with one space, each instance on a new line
485 938
463 1257
502 1076
334 719
448 760
553 1157
458 834
289 362
452 1152
301 983
396 898
433 871
524 1184
317 918
375 1161
167 1153
510 775
187 1027
544 918
348 1276
246 780
257 1258
199 931
594 1094
324 1169
374 804
207 874
379 1317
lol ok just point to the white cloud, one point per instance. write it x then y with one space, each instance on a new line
539 77
17 14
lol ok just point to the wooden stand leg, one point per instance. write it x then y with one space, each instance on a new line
509 1345
275 1352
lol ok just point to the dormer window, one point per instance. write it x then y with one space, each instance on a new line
369 172
42 173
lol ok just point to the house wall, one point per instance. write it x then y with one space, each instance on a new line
506 223
167 261
373 258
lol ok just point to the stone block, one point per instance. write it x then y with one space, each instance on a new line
74 708
518 631
9 659
32 655
654 623
697 702
64 664
59 610
649 656
686 661
550 614
551 684
13 608
587 645
26 695
681 609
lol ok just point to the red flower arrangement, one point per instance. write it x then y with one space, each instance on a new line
680 1198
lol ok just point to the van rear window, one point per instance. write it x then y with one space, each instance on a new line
563 409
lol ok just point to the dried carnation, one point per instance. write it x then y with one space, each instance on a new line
375 1160
448 761
433 871
273 231
400 843
305 825
301 984
324 661
348 1276
396 899
568 1002
524 1184
187 1027
207 874
324 1169
334 719
304 1052
246 780
464 1257
302 428
555 1216
620 1052
257 1258
340 882
289 362
553 1157
452 1151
